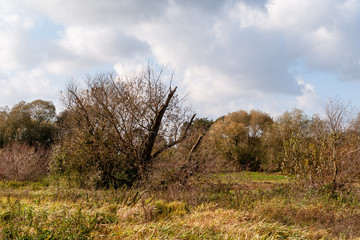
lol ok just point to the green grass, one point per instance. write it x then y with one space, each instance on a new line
223 207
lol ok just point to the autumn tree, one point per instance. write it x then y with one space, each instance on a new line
117 126
289 126
238 137
324 150
31 123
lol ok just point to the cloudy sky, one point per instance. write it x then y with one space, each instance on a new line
271 55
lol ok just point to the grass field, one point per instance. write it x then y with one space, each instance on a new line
223 206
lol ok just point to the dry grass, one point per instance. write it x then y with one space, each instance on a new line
212 222
204 211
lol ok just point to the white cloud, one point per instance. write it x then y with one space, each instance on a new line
29 85
97 13
83 49
226 51
100 44
309 100
212 86
13 36
322 32
129 67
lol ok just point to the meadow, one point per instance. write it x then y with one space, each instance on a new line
241 205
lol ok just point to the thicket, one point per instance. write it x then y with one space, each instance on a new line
130 130
324 151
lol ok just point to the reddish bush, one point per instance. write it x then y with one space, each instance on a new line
20 162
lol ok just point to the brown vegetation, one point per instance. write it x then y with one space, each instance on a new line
324 151
246 175
21 162
115 128
239 138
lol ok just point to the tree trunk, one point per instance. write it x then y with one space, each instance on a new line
146 158
188 169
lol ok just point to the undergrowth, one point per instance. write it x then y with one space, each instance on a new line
205 209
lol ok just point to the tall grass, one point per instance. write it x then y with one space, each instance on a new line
206 209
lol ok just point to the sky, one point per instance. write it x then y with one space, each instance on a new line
226 55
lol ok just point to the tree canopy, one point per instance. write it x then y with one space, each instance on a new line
31 123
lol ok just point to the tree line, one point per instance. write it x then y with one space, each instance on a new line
138 130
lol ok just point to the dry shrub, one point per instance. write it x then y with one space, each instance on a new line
179 167
21 162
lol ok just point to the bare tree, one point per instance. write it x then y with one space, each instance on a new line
120 125
343 150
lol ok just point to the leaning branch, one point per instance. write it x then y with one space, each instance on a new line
150 141
183 136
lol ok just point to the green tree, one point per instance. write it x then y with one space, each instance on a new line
41 111
31 123
4 112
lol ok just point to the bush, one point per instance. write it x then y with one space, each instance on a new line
20 162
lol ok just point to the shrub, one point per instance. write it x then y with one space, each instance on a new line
20 162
